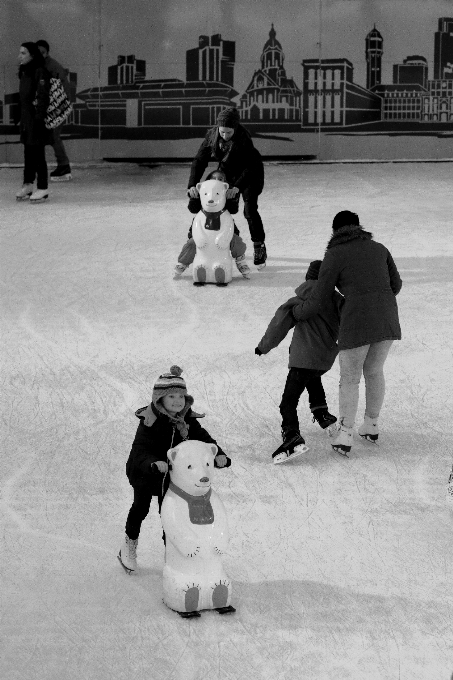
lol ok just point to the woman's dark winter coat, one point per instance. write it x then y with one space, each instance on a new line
241 163
314 342
366 275
151 443
34 86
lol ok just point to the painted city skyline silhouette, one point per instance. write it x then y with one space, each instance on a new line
133 107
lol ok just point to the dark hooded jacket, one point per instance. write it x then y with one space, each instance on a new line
314 342
34 89
366 275
152 441
239 160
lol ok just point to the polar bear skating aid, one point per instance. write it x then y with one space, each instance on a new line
196 532
212 231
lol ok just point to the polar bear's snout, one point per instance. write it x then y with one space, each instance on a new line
204 479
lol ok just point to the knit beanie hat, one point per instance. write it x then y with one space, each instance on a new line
168 383
345 218
228 118
313 270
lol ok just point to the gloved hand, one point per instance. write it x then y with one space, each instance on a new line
258 352
161 465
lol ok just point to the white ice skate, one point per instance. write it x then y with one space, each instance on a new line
24 193
369 429
343 441
179 270
39 196
128 554
243 267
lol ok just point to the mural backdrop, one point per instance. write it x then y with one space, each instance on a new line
326 79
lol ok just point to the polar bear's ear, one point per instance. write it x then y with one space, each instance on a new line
214 449
199 186
226 185
171 454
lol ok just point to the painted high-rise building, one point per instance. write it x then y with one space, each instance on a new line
443 50
413 71
373 50
213 60
127 70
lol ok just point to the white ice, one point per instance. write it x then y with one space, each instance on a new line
342 569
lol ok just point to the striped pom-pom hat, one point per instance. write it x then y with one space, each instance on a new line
169 382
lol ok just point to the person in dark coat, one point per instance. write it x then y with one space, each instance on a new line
230 144
34 91
312 353
366 275
165 423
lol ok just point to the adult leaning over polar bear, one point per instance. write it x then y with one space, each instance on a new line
196 529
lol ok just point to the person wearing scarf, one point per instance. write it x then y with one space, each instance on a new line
366 275
164 423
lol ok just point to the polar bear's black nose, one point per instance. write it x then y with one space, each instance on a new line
204 479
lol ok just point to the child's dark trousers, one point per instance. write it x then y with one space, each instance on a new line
297 381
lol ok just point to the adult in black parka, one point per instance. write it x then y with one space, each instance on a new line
366 275
230 144
34 93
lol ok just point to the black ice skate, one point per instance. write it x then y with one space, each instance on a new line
259 255
325 420
293 446
62 173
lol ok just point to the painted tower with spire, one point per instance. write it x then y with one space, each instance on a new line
373 50
271 95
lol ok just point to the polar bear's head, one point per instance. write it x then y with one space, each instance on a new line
192 464
212 195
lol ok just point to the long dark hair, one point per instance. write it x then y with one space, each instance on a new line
37 60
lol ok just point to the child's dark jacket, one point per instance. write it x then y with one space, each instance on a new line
314 342
152 442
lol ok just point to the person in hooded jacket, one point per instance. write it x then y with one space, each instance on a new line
366 275
230 144
312 353
164 423
34 95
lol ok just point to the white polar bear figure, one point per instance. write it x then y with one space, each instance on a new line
212 231
196 533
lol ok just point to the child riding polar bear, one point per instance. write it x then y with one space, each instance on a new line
213 238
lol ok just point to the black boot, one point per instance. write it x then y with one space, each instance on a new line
323 418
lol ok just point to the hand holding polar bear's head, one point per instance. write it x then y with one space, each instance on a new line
213 195
192 465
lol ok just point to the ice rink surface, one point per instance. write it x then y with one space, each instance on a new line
342 569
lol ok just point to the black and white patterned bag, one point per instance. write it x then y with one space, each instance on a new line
59 105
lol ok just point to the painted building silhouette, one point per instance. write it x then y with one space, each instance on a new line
271 95
413 71
443 50
374 44
331 98
132 102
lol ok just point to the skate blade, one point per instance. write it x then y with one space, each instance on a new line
23 198
61 179
126 569
341 451
368 438
298 451
225 610
39 200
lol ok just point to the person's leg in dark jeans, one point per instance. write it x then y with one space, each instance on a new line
251 214
295 384
29 164
41 166
138 511
318 403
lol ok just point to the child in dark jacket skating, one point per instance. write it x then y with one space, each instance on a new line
165 423
312 353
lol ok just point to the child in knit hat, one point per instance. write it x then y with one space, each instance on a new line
230 144
165 423
237 245
312 352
